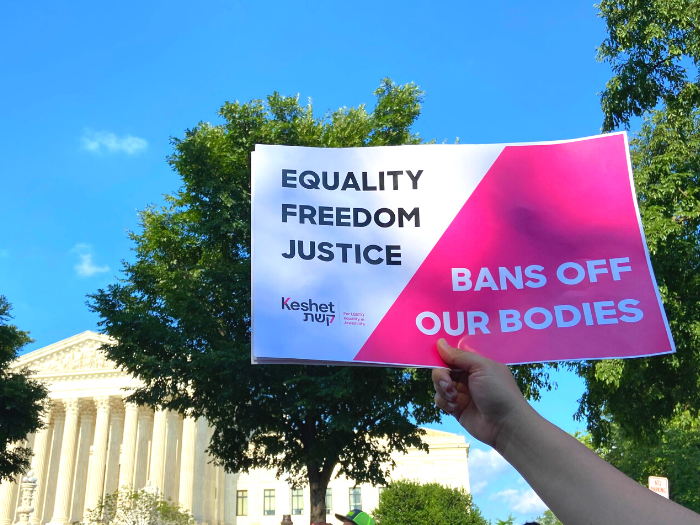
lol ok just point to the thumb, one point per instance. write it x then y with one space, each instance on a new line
456 358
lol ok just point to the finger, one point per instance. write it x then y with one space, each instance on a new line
456 358
444 404
443 383
460 380
441 374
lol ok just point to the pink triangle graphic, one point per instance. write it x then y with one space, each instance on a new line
537 205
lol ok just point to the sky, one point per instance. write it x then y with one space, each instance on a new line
91 93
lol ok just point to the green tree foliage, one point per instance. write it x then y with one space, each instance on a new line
510 520
548 518
676 456
137 507
181 314
412 503
642 395
647 41
649 45
22 400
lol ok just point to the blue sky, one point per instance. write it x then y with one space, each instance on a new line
91 93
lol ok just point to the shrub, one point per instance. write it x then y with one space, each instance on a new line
137 507
412 503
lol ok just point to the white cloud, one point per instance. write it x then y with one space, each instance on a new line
478 487
86 267
484 467
524 501
487 462
99 141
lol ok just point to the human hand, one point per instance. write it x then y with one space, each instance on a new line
479 392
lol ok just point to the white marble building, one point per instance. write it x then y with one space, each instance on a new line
95 442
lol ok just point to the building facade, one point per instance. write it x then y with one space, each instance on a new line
94 442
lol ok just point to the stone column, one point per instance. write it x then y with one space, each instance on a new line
170 455
200 462
155 474
143 436
178 457
210 485
131 421
61 509
189 436
116 430
231 482
40 463
8 499
220 495
87 423
208 492
49 486
96 475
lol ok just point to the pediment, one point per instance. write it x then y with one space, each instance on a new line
76 355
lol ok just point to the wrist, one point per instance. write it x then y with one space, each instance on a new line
518 424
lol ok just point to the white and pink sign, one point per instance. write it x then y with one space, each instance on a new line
523 252
659 485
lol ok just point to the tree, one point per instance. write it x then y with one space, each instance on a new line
642 396
649 45
548 518
409 502
676 456
137 507
22 400
510 520
181 314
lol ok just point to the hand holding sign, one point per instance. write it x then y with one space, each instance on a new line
573 481
480 393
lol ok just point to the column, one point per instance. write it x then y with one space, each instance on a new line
40 463
116 430
142 440
49 494
200 462
178 456
208 492
231 482
8 499
131 423
189 436
155 474
220 495
67 463
96 474
209 484
87 424
170 454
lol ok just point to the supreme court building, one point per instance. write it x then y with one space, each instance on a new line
94 443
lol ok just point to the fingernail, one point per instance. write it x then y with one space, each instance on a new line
444 384
451 407
442 342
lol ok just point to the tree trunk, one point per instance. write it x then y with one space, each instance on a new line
318 483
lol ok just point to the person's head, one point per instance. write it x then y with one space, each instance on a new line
356 516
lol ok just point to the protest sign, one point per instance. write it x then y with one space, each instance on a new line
524 252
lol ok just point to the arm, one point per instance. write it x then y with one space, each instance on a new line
576 484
